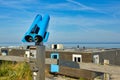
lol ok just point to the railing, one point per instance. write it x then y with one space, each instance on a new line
114 70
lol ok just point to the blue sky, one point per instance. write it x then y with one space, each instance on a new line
71 20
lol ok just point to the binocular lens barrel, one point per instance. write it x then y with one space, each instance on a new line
38 38
29 38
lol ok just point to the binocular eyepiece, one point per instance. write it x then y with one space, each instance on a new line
29 38
37 38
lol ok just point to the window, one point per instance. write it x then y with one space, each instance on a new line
77 58
55 46
55 56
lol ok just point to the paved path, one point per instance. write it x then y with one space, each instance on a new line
60 78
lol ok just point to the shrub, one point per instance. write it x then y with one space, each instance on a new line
17 71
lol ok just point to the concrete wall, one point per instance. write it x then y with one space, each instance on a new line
113 56
117 58
67 56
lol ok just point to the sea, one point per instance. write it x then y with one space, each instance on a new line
92 45
89 44
69 44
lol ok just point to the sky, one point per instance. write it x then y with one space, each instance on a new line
70 20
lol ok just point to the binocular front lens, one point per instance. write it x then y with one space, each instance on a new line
29 38
38 39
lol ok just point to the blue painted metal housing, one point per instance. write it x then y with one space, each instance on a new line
38 30
54 67
43 25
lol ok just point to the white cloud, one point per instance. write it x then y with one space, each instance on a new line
81 5
86 26
111 9
87 29
80 21
93 35
69 5
18 4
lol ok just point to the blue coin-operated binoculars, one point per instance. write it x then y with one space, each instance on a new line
38 34
38 30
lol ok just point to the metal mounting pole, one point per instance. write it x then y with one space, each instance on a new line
38 65
40 62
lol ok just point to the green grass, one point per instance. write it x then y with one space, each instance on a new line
83 79
17 71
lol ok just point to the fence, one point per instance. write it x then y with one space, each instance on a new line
113 70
